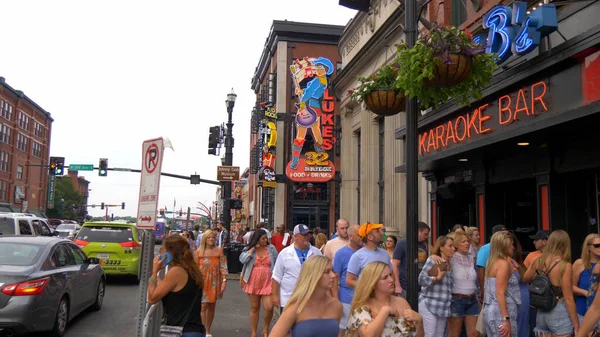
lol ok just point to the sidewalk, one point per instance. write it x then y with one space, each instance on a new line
232 316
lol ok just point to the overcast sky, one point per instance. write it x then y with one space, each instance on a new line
114 73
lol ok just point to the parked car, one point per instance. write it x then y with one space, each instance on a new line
24 224
67 231
44 283
117 245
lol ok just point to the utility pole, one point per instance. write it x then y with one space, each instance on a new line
412 183
226 196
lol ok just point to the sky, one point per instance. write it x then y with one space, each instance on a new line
115 73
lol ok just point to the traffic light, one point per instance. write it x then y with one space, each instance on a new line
122 205
103 167
213 139
102 206
235 203
57 166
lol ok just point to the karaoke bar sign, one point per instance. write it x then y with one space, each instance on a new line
519 107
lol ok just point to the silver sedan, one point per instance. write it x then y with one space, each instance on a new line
44 283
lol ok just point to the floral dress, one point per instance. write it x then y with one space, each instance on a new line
491 310
260 278
393 327
591 295
214 270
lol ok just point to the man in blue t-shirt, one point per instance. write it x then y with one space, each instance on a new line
372 235
340 267
482 256
399 257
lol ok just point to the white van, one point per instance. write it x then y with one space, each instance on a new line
24 224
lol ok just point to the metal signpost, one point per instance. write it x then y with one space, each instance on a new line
152 155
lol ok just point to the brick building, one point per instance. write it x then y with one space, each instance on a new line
273 197
25 130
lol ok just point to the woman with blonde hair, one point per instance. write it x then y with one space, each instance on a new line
584 279
562 319
474 237
375 311
502 295
213 266
464 307
436 288
311 311
320 241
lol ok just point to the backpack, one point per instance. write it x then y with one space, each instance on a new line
541 291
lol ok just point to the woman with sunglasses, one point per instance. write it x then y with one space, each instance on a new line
390 245
585 282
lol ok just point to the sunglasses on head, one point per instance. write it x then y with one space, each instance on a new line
596 245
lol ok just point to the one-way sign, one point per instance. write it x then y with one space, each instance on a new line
152 155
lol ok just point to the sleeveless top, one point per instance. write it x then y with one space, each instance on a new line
513 293
177 303
317 327
584 283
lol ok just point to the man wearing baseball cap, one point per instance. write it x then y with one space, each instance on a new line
288 265
539 240
371 235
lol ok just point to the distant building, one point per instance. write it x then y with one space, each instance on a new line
25 130
82 186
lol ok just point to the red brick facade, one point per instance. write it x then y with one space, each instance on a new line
25 130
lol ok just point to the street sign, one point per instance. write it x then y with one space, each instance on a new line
228 173
152 155
51 190
122 169
81 167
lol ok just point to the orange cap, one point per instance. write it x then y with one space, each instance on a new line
367 227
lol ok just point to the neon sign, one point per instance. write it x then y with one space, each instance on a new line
525 103
513 31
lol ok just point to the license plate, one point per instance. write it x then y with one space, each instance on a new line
103 256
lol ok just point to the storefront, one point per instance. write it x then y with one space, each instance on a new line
527 154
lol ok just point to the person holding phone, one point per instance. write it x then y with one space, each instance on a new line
258 260
180 289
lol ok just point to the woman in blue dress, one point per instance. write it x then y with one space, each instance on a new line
311 311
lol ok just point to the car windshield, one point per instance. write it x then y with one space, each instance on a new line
66 227
7 226
19 254
105 234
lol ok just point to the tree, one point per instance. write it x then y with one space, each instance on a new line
66 200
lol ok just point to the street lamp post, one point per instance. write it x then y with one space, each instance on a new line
412 183
226 196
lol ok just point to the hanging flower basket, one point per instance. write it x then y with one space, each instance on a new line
380 92
450 71
445 64
385 102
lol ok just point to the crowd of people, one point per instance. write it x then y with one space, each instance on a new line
355 283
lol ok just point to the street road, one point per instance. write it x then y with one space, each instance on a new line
117 317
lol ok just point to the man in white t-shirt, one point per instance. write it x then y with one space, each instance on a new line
340 241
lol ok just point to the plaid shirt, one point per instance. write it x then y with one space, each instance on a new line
437 296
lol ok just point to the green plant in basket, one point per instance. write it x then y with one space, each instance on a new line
384 78
445 63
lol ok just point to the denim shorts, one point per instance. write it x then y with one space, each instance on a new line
461 307
555 321
193 334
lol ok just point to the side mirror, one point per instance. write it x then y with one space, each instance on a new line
93 260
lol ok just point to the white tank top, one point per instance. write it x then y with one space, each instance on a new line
463 273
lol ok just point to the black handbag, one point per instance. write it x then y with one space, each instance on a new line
177 331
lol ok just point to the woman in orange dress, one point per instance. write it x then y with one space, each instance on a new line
213 264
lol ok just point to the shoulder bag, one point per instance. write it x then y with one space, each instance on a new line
177 331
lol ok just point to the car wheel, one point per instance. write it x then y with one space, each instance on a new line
99 296
62 318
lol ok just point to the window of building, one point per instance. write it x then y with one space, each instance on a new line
19 172
5 132
39 130
22 142
459 12
381 169
4 161
358 178
36 149
23 120
6 110
3 190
